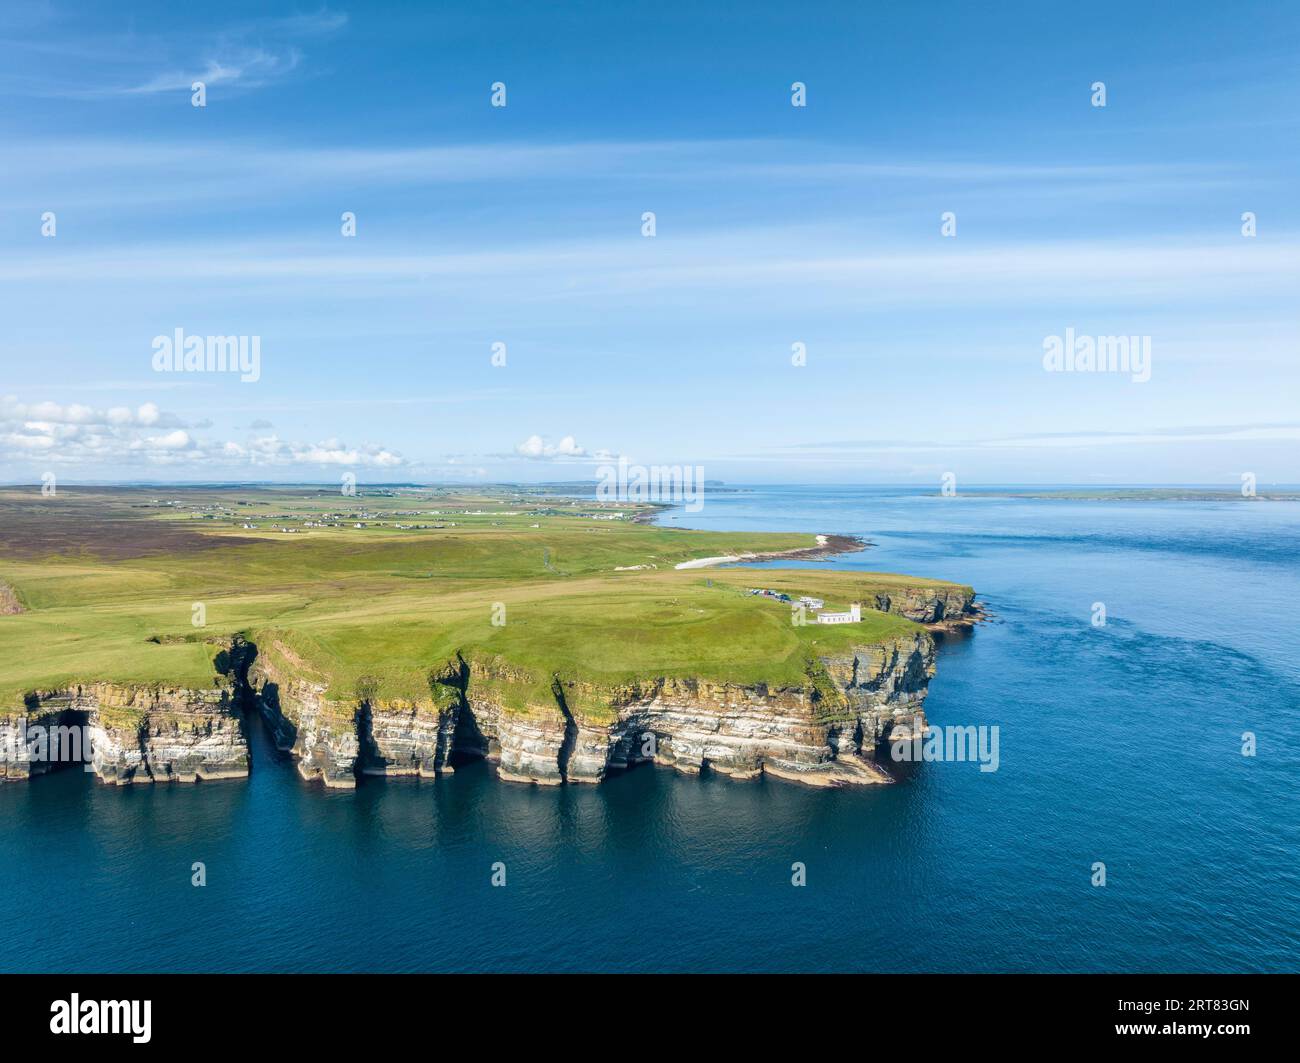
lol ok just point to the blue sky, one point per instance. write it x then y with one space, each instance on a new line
775 225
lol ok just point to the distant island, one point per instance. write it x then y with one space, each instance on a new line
1140 494
399 631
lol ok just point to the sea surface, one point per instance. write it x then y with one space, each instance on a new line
1119 744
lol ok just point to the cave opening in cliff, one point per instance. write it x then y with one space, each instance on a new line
58 741
370 761
468 742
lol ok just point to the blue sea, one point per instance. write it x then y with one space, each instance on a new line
1119 744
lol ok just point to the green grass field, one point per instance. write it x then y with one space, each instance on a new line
109 581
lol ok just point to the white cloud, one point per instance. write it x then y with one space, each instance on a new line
53 413
538 449
177 440
272 450
82 435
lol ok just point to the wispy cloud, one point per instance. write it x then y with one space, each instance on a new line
248 69
243 55
818 263
133 170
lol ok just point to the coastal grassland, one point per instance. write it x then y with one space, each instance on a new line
650 626
109 592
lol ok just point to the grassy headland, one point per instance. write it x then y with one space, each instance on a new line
370 593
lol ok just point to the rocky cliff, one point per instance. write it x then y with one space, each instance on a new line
548 730
126 734
537 727
335 737
400 737
946 605
824 731
321 732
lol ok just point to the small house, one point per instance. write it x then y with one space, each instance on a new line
853 616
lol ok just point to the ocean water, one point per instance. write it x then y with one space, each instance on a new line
1119 744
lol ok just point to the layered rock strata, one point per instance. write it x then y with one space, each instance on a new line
319 731
823 730
126 734
547 730
945 606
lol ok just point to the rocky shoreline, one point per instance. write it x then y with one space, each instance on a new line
127 734
823 732
548 730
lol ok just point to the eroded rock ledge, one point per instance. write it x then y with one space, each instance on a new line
940 606
554 729
537 728
126 734
824 732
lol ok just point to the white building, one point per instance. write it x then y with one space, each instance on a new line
853 616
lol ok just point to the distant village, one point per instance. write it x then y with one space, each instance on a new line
365 518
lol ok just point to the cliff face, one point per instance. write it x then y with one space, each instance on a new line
823 732
538 728
408 737
321 733
508 715
337 739
128 734
930 605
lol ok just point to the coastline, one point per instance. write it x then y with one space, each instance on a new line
827 546
563 715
